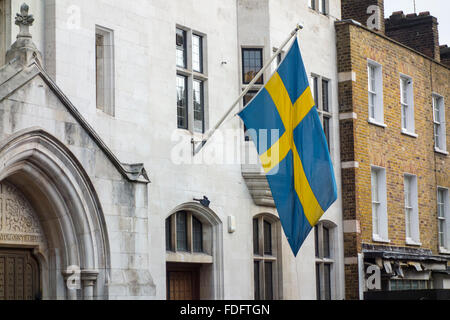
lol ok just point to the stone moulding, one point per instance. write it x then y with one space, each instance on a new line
16 77
259 189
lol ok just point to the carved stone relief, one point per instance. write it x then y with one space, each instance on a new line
18 222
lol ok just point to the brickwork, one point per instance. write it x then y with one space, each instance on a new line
352 282
357 10
388 147
419 32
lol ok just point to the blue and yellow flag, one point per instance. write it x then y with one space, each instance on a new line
284 124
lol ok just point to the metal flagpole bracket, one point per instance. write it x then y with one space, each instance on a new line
198 145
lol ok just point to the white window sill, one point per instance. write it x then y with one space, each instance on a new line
444 251
376 238
407 133
441 151
376 123
411 242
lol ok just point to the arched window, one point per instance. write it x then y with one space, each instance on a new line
194 254
266 258
325 263
184 233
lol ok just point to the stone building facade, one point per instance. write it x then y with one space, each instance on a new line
393 101
99 102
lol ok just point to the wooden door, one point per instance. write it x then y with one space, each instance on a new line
183 282
19 275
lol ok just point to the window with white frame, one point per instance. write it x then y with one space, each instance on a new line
411 210
321 90
324 261
379 205
407 103
375 88
104 69
266 258
443 208
191 80
319 5
323 6
439 123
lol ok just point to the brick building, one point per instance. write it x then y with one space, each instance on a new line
393 98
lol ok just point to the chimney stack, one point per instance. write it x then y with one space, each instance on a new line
445 55
419 32
362 11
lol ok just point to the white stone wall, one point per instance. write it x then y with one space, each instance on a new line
145 113
317 44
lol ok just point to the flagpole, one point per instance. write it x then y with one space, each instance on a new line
211 131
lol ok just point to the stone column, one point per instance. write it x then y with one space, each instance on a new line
89 279
71 282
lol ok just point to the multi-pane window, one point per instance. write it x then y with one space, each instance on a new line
252 63
379 206
199 112
376 204
324 262
191 80
372 91
443 209
267 238
408 207
168 235
184 233
181 48
411 210
439 123
407 104
402 285
182 99
265 259
319 5
197 235
375 88
197 53
320 88
323 6
104 69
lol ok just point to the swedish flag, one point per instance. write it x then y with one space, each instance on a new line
286 128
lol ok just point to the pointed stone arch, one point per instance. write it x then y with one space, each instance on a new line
68 208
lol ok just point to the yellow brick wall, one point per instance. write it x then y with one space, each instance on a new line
388 147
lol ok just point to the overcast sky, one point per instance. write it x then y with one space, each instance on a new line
438 8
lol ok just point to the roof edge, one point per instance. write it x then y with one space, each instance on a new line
360 25
132 172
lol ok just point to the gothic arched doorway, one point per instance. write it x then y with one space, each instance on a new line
50 209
